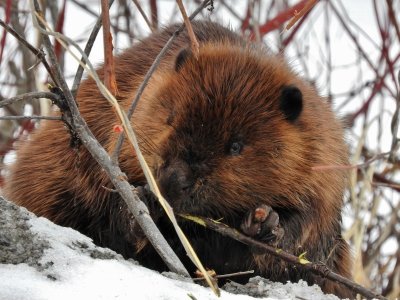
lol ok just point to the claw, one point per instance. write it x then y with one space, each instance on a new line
262 223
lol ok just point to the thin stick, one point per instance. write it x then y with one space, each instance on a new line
389 185
310 4
228 275
87 50
311 267
38 53
194 43
109 69
395 125
29 96
351 167
96 15
140 9
17 118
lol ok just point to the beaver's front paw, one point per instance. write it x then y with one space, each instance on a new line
262 223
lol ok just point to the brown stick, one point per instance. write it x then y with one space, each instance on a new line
109 70
88 49
194 43
395 125
141 11
318 269
310 4
154 13
351 167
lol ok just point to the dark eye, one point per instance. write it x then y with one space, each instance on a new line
236 148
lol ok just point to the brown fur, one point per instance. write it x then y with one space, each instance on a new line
188 116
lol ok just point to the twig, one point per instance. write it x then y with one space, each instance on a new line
278 20
395 124
314 268
96 15
154 13
389 185
38 53
350 167
294 31
88 48
150 72
29 96
109 69
59 27
109 190
309 5
227 275
194 43
140 9
135 205
17 118
392 17
255 21
380 82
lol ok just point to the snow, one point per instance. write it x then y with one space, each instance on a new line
44 261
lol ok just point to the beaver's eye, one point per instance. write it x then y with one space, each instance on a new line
236 148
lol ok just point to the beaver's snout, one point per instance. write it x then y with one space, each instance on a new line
176 181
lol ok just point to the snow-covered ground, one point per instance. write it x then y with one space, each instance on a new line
40 260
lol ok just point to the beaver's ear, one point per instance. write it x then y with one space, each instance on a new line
181 58
291 102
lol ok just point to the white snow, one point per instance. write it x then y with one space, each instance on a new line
67 270
78 276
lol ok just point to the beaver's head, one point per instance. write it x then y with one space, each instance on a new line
239 129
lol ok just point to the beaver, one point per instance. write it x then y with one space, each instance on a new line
232 134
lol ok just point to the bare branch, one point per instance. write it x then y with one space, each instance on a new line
309 5
109 69
194 43
395 124
38 53
88 48
29 96
227 275
140 9
17 118
318 269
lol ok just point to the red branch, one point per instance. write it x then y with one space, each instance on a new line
281 18
154 13
378 86
109 70
59 28
246 20
294 31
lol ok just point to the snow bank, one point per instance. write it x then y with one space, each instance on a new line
40 260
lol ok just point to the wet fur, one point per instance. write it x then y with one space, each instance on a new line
189 115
